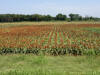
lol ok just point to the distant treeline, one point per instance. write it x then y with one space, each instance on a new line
38 17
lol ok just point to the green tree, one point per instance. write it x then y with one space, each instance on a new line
75 17
61 17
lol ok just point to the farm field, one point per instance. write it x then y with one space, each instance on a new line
50 48
51 39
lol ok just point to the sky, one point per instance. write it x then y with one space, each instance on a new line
52 7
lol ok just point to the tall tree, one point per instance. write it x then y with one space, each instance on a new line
61 17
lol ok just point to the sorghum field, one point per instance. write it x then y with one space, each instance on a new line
53 39
49 48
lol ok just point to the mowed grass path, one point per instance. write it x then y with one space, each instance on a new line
20 64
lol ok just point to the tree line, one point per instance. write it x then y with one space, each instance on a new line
38 17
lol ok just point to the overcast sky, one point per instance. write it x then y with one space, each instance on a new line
52 7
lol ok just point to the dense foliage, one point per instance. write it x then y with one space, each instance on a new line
38 17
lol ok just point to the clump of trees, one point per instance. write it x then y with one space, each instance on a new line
77 17
38 17
61 17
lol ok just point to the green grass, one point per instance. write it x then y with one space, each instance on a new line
49 65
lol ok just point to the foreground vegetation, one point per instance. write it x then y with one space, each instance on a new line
49 65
